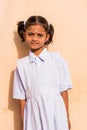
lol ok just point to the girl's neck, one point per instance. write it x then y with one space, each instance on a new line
37 51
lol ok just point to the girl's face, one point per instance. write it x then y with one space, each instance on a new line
35 36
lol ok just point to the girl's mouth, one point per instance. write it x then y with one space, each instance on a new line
34 43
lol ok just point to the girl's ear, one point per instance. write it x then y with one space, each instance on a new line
47 37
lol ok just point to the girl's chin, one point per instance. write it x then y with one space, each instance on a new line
36 48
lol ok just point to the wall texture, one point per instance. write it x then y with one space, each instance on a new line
69 18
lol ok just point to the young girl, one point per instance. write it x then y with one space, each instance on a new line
41 79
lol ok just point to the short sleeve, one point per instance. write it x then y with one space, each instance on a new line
65 80
18 88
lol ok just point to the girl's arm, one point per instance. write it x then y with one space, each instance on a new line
22 104
65 98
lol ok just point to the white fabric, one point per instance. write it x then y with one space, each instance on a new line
40 80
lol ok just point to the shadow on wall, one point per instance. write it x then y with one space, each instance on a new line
22 47
13 105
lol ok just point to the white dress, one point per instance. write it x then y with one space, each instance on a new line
40 80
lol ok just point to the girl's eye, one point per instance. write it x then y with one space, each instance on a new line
30 34
40 35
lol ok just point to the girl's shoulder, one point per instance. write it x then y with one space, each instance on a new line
22 61
56 55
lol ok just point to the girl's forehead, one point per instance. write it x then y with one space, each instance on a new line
36 28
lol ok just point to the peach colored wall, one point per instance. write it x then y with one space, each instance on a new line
69 18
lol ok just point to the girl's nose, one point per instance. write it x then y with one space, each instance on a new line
34 38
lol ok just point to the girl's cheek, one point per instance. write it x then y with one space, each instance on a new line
28 39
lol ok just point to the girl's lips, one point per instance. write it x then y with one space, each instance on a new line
34 43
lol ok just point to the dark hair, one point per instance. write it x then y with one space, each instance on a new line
33 20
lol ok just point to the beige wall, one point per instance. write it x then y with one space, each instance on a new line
69 18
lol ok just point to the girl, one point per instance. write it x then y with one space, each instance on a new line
41 79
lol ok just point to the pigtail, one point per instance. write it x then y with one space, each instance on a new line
21 30
51 32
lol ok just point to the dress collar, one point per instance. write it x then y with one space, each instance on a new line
41 57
